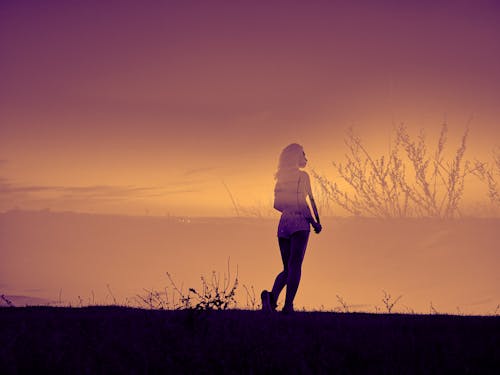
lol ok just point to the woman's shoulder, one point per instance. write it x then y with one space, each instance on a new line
304 174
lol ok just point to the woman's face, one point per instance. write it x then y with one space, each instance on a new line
302 160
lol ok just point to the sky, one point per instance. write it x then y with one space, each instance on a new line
175 107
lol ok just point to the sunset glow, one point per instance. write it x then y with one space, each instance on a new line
136 108
179 109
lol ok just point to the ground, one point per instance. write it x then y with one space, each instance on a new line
112 339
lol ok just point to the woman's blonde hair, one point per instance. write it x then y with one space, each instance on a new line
289 159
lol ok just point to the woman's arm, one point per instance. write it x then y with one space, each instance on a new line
315 209
311 198
316 224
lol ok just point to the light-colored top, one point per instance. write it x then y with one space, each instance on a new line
291 191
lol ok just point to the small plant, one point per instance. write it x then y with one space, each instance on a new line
432 310
496 312
251 300
7 301
215 294
185 299
344 306
60 297
388 302
111 294
156 300
408 310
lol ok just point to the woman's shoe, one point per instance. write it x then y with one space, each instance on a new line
287 310
265 296
274 305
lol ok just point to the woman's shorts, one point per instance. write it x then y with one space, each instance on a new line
291 222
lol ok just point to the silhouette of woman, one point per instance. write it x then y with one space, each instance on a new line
292 187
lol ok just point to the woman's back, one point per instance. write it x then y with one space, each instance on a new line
289 192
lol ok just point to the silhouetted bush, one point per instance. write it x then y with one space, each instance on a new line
214 294
408 182
489 173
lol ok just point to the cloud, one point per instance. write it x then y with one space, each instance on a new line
8 188
43 194
105 190
195 171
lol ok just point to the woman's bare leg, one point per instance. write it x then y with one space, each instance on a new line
281 279
298 244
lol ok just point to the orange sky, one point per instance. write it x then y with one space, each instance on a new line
150 108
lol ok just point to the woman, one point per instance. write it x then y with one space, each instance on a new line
292 187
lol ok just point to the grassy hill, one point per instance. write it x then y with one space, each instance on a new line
93 340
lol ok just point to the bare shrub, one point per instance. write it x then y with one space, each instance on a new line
156 300
6 300
344 306
257 210
489 173
251 299
433 310
111 294
322 198
408 182
214 294
389 302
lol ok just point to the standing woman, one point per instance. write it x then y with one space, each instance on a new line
292 187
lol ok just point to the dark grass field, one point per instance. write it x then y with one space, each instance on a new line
115 340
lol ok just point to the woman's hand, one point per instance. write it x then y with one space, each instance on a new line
317 227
